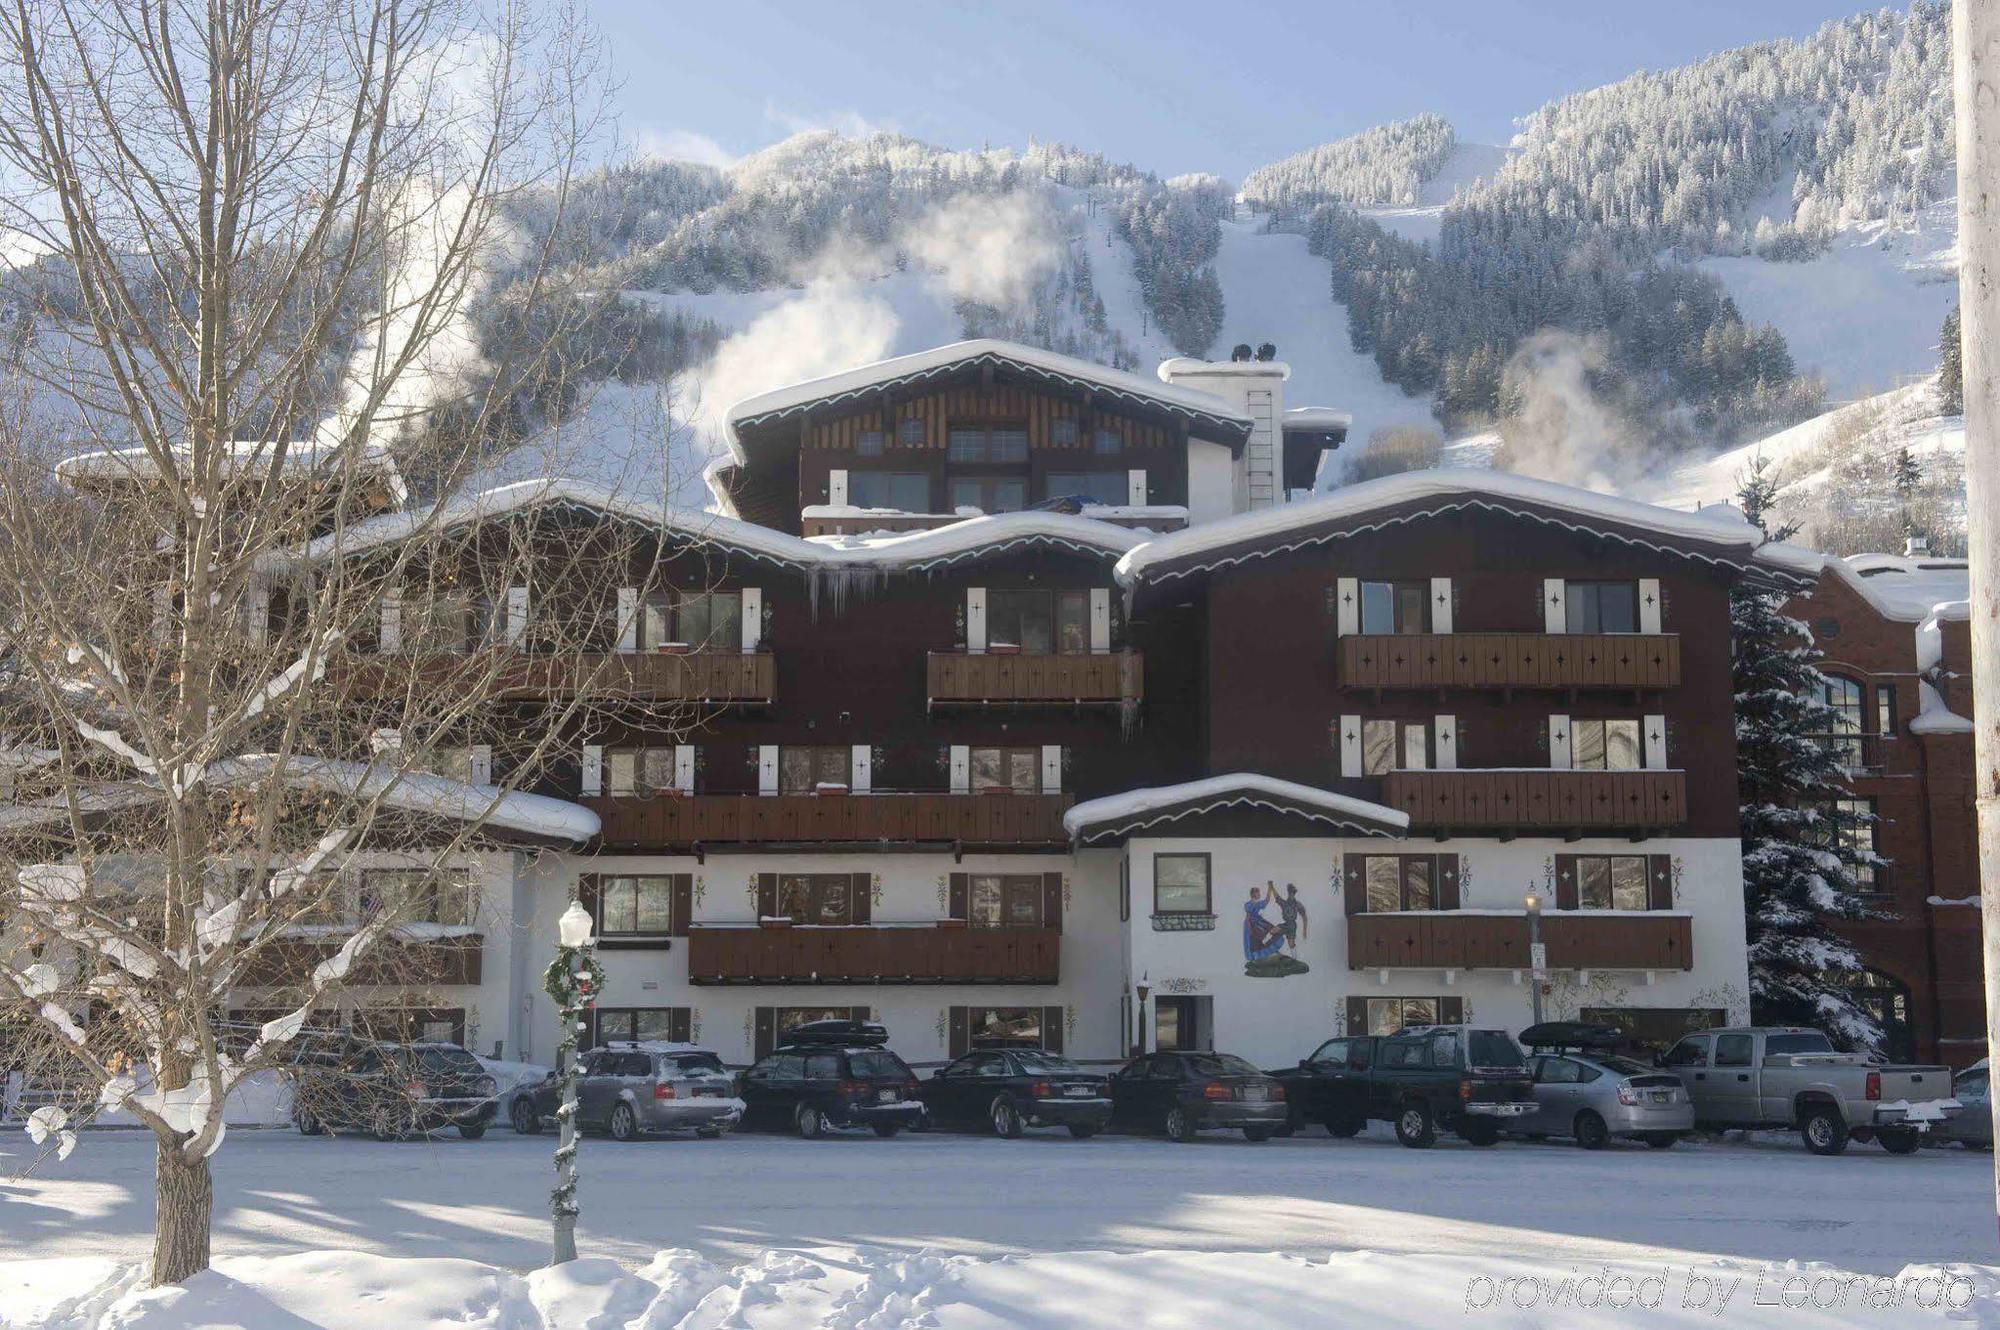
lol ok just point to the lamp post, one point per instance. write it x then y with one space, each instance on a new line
1139 1023
573 981
1536 956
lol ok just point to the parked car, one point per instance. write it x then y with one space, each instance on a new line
831 1074
1585 1090
633 1089
1468 1081
1011 1088
392 1090
1972 1125
1790 1077
1182 1093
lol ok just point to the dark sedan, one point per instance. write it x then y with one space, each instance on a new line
1185 1093
1009 1089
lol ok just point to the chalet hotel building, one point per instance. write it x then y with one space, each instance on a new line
1022 694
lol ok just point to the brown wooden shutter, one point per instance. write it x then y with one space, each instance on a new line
1451 1011
961 897
767 895
1356 879
1566 896
1659 882
960 1025
1357 1011
1052 1029
680 1025
683 905
588 891
1052 910
863 891
765 1025
1449 866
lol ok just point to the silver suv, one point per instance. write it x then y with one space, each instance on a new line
637 1089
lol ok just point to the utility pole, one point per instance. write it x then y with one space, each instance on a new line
1975 27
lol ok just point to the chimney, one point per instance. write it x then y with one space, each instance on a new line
1254 383
1916 547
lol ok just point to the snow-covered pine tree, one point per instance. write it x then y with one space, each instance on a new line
1799 851
1951 369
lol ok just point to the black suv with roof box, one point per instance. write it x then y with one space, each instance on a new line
831 1074
1468 1081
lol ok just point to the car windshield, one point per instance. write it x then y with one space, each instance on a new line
448 1062
1220 1064
1034 1063
687 1062
877 1065
1624 1066
1491 1048
1810 1042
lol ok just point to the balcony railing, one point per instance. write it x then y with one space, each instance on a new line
872 954
653 676
1576 940
1009 819
1510 660
1523 798
290 961
961 679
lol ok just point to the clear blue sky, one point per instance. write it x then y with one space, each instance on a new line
1219 86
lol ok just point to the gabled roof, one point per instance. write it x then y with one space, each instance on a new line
1160 807
1713 535
1199 408
1902 587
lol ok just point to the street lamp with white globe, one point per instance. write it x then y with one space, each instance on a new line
573 980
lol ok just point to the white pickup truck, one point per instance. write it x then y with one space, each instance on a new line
1788 1076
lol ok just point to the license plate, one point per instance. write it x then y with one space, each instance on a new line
885 1096
1663 1096
1077 1091
1255 1094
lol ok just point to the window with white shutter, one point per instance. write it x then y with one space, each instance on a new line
1441 604
517 615
1348 730
628 618
1555 606
753 617
593 769
1052 768
684 768
961 769
1559 742
767 768
1135 482
1100 619
1649 605
1654 739
1347 606
975 620
1446 728
389 622
861 775
836 488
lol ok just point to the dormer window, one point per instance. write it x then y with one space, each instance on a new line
1063 432
910 432
1107 442
868 443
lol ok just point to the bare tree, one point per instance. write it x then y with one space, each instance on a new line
260 225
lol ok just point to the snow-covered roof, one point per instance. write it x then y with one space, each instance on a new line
940 361
1317 419
977 536
251 456
1141 809
1904 587
534 815
1933 716
1181 365
1716 535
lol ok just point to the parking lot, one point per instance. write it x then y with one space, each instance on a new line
1760 1199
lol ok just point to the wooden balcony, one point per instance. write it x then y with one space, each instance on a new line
1511 660
653 821
697 676
813 523
956 678
1576 940
917 954
290 961
1522 799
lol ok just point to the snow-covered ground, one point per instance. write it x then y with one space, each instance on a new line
1468 164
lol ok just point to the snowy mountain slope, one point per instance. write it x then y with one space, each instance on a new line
1468 165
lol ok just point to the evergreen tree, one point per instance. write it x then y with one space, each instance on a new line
1951 368
1799 851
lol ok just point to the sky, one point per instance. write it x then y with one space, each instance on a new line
1169 85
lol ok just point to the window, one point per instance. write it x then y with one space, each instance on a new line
1813 1042
1733 1050
1063 433
803 768
638 771
1106 442
1395 607
449 622
1012 1025
1604 745
632 1024
1180 884
903 491
816 898
1106 487
1388 1015
822 1066
1387 745
1333 1052
910 432
995 444
702 620
1611 881
1038 622
1016 769
1689 1052
1842 738
1011 900
989 494
1557 1071
1602 607
419 896
635 906
1885 709
868 443
1848 827
1399 882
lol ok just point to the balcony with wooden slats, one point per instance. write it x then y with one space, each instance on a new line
719 677
1004 820
1535 798
1576 940
872 954
1647 661
1111 678
285 962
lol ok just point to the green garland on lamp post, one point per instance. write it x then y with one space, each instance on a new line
573 981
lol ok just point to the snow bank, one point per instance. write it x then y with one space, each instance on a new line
840 1287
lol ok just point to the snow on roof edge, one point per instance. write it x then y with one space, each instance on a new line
1241 787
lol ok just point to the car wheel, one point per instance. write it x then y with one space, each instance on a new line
307 1124
1345 1127
1256 1133
1823 1132
1900 1140
809 1122
527 1122
1662 1140
1479 1132
1005 1119
886 1130
1591 1133
471 1131
624 1123
1414 1127
1082 1131
1180 1127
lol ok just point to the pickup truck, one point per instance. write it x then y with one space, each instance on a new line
1468 1081
1789 1077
